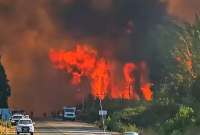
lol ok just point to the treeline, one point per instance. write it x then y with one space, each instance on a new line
5 91
175 108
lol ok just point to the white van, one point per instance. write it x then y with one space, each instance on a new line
69 113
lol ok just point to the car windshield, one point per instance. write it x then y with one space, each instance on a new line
17 117
25 122
69 110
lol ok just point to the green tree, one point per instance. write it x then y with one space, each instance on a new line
180 58
5 91
180 81
187 56
163 65
185 117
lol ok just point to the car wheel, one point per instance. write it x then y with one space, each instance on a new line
18 133
31 133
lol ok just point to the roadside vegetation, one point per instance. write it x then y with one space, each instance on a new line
5 90
175 108
5 128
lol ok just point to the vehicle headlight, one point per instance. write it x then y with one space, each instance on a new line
31 128
19 128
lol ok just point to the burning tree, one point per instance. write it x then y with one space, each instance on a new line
4 88
187 54
182 65
103 80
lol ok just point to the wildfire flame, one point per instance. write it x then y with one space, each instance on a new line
84 61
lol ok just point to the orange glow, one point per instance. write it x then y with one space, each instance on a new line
146 90
129 91
184 10
178 59
78 62
128 72
144 82
100 79
189 65
84 61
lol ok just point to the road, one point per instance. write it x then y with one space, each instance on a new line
66 128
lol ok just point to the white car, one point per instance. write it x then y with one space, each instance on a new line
131 133
15 118
25 125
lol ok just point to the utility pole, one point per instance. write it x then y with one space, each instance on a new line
102 116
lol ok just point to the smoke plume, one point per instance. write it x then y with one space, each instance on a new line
184 10
116 28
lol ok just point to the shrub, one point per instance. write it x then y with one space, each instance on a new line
117 125
123 120
129 127
183 118
150 131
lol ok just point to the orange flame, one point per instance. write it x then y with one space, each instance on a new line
145 85
78 62
100 79
83 61
188 64
129 91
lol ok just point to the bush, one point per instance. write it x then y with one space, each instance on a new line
184 118
177 132
150 131
129 127
116 125
113 124
123 120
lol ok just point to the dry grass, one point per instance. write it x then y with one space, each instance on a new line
5 130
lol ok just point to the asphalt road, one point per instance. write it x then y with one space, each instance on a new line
66 128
